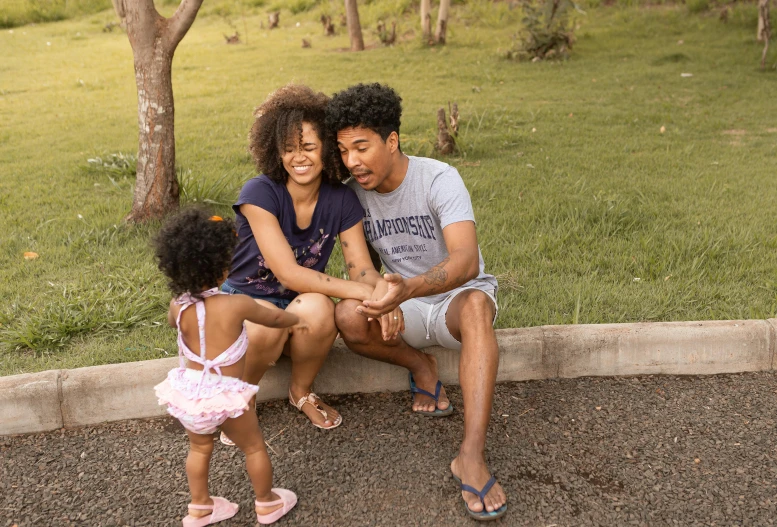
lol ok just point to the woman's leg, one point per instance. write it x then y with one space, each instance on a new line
197 467
265 345
245 432
308 349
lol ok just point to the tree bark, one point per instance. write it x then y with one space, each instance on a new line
426 19
354 27
442 21
154 39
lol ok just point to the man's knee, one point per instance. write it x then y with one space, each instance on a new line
477 308
352 326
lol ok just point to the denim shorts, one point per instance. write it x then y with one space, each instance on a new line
282 303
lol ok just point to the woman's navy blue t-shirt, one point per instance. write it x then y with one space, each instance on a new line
337 210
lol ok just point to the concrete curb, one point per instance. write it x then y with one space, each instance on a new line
52 399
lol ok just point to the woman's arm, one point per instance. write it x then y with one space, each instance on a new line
279 258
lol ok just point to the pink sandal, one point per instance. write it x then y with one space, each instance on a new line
222 510
313 399
288 499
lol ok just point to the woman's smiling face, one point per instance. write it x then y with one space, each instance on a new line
302 160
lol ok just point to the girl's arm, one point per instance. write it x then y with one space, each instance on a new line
280 260
249 310
172 313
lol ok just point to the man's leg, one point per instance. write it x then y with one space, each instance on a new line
469 319
365 338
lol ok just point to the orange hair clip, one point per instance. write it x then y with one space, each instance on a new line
216 218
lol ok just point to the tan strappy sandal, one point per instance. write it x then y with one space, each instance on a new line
313 399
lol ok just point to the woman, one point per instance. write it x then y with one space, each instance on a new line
287 220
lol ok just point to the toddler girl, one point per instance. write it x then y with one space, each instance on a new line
205 393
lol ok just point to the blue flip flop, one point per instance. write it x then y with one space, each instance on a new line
436 396
484 515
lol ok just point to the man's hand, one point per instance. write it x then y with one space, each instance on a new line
397 291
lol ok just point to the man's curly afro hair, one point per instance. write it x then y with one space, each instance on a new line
374 106
278 121
194 249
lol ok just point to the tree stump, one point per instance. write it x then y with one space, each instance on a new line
274 19
329 27
445 142
454 110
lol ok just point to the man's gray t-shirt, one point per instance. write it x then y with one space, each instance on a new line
405 225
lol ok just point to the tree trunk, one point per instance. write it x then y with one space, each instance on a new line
761 25
154 39
426 19
442 21
764 28
354 27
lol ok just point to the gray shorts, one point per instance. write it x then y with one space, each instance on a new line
425 323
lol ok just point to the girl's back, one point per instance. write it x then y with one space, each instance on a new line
222 327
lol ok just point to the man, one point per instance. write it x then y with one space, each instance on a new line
418 217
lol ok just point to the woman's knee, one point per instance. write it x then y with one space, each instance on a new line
317 310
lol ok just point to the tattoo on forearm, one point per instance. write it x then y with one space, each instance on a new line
344 244
351 265
363 273
436 277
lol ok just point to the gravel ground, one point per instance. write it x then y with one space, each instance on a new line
594 451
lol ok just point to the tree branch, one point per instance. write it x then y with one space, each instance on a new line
182 20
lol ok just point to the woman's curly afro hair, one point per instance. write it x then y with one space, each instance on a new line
374 106
278 121
194 249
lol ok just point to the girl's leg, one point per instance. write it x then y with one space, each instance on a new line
308 349
197 465
244 431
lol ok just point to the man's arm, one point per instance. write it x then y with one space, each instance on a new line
461 266
357 256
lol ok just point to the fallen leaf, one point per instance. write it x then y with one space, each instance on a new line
30 255
697 460
663 129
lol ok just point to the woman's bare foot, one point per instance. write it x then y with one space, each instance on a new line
310 410
473 471
426 379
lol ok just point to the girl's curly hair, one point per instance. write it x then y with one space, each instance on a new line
194 249
279 119
374 106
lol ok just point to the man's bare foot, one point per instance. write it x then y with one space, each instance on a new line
310 410
426 379
474 472
267 510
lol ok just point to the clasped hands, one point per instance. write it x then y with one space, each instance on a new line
383 305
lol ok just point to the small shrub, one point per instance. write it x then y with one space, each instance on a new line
547 31
118 164
697 6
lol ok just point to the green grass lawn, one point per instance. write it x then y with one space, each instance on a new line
586 211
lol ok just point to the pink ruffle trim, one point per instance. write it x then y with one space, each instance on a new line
221 405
